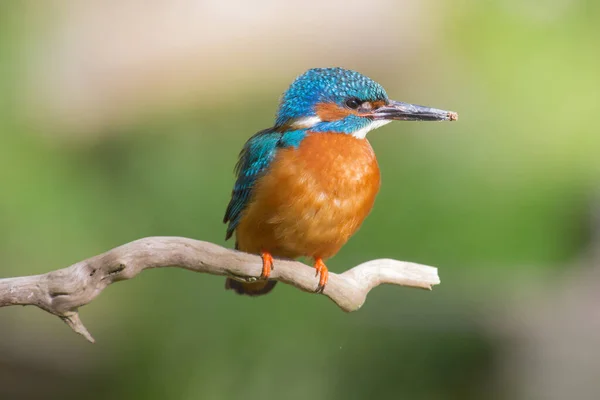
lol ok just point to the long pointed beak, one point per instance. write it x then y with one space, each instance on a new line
399 111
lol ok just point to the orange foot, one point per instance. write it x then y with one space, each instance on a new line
267 260
321 269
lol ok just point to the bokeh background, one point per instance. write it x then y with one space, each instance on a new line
123 119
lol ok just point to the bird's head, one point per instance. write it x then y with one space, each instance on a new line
343 101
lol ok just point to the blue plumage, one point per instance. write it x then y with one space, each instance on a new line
350 124
325 85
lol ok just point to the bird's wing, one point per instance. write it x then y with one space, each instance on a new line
254 159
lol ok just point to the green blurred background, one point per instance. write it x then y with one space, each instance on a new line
120 120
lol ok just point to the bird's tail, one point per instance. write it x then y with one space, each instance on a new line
250 289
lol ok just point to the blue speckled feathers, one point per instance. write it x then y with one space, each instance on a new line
325 85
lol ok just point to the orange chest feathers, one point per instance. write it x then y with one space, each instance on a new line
312 199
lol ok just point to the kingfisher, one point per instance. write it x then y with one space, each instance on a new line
305 185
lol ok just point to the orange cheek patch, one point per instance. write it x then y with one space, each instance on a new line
332 112
377 104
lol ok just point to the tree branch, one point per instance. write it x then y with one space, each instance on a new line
63 291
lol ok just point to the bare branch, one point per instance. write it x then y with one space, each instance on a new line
63 291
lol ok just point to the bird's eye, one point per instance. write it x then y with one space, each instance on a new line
353 103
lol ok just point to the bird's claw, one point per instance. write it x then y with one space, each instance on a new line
267 260
324 272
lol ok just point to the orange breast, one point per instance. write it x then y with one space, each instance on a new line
312 198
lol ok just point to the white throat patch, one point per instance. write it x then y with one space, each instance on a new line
362 133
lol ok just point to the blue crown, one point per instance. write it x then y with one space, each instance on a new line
325 85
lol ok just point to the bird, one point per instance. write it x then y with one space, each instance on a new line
305 185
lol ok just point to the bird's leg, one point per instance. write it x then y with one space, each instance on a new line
267 260
321 269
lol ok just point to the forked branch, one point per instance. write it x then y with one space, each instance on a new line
63 291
